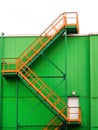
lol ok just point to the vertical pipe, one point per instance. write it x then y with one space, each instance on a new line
65 44
1 80
90 82
16 102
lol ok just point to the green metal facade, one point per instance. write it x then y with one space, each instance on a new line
69 64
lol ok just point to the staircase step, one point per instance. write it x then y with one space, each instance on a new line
41 43
38 46
54 124
46 92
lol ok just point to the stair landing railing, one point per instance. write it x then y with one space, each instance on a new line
9 65
65 19
73 117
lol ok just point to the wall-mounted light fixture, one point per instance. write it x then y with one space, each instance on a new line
73 93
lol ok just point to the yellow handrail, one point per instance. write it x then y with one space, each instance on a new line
60 22
17 65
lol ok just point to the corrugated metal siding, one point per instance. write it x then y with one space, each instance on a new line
14 46
82 73
78 74
52 73
31 113
94 80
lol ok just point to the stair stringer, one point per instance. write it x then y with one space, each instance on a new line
53 107
46 47
55 29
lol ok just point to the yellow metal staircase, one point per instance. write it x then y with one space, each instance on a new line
44 91
21 65
50 97
54 124
68 21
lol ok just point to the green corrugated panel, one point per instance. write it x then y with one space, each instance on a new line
33 114
51 74
9 112
9 104
55 53
26 101
14 46
9 91
81 63
78 74
94 81
78 65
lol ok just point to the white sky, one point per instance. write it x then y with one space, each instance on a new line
34 16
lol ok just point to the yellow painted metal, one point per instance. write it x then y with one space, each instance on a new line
64 20
44 91
72 113
19 66
54 124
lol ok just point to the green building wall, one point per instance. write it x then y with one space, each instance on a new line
69 64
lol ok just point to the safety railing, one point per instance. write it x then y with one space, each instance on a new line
72 20
65 19
9 65
44 90
74 114
19 65
54 124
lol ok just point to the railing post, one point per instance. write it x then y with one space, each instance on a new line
17 61
77 22
68 115
64 18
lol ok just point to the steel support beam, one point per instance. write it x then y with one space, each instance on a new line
1 80
65 39
16 102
